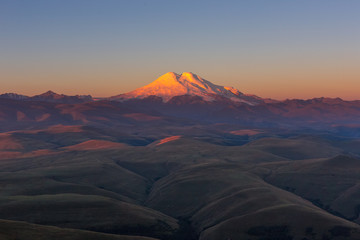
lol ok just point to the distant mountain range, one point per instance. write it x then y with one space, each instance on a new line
171 87
185 97
49 96
166 87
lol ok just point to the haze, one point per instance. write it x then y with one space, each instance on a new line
276 49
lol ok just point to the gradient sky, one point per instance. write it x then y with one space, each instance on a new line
278 49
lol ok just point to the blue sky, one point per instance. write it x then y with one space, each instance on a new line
279 49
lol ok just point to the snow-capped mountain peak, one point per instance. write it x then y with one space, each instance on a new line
172 84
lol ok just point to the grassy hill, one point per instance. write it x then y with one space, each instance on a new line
81 182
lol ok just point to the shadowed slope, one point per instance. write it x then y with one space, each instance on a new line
10 230
331 184
88 212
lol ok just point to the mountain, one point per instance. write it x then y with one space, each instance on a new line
171 85
51 96
181 158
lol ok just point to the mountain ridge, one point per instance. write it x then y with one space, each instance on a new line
49 96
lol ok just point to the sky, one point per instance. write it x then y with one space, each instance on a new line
277 49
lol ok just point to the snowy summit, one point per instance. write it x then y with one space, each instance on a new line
172 84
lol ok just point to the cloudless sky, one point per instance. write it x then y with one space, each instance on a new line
279 49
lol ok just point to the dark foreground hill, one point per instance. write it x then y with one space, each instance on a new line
211 182
10 230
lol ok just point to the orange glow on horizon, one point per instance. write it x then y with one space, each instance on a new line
266 84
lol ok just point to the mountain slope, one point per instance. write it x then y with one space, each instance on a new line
171 84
